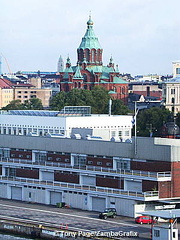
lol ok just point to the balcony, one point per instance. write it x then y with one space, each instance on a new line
102 191
135 174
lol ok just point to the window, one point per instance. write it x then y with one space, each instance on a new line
99 163
40 157
123 164
66 159
90 162
156 233
120 133
177 70
108 164
172 91
113 133
49 158
126 133
10 172
79 160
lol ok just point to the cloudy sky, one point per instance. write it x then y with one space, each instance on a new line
142 36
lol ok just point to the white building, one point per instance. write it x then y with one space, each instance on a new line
171 95
53 123
176 69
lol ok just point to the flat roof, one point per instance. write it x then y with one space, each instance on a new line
167 214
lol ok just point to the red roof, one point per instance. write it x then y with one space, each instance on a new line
5 83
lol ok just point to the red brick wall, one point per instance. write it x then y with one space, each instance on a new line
103 160
21 154
157 94
164 189
155 166
27 173
175 179
109 182
54 158
66 177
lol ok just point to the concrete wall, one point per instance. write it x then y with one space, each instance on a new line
146 149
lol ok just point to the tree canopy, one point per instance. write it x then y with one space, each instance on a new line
150 121
31 104
98 98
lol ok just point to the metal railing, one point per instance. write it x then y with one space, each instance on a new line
85 188
155 175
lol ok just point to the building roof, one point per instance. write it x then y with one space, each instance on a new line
5 83
173 80
89 40
78 74
166 214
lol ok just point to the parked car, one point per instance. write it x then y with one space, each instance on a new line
143 219
108 212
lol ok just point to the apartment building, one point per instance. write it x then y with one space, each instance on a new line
23 91
6 93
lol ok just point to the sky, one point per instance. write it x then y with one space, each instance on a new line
142 36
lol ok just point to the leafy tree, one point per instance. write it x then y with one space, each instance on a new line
178 119
97 98
33 104
118 107
151 121
101 100
14 105
58 101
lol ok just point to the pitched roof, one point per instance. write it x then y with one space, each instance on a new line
78 74
5 83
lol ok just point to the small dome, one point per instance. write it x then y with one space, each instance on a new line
90 22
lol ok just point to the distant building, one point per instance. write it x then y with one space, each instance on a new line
6 93
90 72
171 95
60 67
176 69
147 89
23 91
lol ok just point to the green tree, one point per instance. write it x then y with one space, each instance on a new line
178 119
33 104
14 105
118 107
151 121
58 101
100 100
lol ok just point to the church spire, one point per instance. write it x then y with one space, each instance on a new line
89 47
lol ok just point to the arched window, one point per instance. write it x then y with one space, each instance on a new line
93 55
87 55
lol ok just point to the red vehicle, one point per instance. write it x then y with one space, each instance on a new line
143 219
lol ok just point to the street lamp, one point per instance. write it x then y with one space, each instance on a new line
136 110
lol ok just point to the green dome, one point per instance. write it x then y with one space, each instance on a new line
89 40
